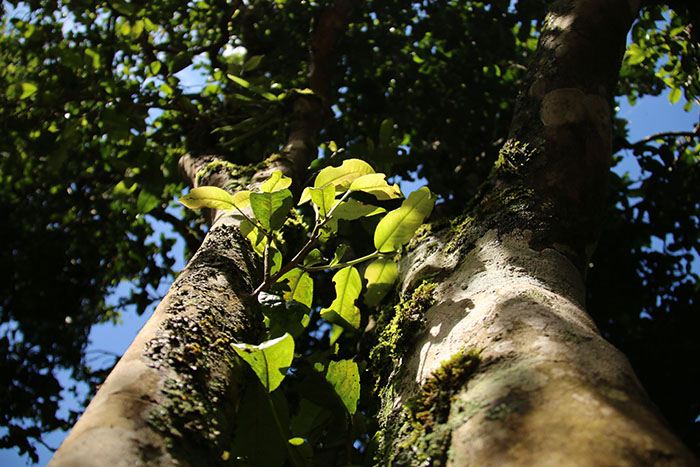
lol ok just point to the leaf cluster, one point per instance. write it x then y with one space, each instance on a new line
286 299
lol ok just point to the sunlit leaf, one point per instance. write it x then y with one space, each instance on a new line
28 89
301 287
276 182
256 238
271 209
344 376
380 275
323 198
247 85
269 360
398 226
341 177
347 289
375 184
675 95
351 210
207 197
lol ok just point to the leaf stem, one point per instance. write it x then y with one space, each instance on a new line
296 261
352 262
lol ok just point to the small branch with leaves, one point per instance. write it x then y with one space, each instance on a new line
287 308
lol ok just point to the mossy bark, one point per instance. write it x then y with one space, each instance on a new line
549 390
172 399
168 400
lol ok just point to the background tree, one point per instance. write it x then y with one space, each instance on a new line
85 158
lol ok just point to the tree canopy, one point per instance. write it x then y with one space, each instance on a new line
97 107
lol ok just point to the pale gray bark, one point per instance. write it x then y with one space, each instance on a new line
549 390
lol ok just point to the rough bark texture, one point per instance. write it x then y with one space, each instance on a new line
168 400
171 399
507 281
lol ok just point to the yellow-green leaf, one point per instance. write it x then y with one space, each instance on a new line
381 275
375 184
276 182
241 199
344 376
28 89
343 311
353 209
271 209
256 238
399 225
323 198
341 177
635 54
675 95
301 287
207 197
269 360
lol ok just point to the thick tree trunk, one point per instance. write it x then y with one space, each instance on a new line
507 282
172 398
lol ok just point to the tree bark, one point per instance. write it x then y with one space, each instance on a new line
510 369
172 398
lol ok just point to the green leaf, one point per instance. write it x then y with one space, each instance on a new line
245 84
399 225
345 379
386 129
375 184
271 209
146 202
283 316
381 275
675 95
301 287
252 63
341 177
241 199
347 288
313 257
28 89
276 182
351 210
123 190
269 360
339 253
323 198
276 257
207 197
635 54
254 235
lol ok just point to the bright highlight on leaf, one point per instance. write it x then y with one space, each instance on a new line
375 184
341 177
344 376
276 182
269 360
207 197
323 198
343 311
399 225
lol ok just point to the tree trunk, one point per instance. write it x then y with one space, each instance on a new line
510 369
172 398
